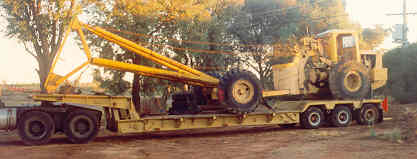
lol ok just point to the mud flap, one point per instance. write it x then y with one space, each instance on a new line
385 104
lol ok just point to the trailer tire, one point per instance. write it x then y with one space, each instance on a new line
36 128
368 115
313 118
242 90
341 116
349 80
81 126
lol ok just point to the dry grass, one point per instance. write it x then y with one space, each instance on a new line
405 117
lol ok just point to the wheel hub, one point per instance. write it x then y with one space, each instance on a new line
314 118
36 128
81 126
343 117
243 91
370 115
352 81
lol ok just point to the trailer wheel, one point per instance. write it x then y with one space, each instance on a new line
312 118
36 128
242 90
81 127
368 115
341 116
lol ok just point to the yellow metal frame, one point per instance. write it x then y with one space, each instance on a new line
331 48
175 72
183 122
285 112
111 102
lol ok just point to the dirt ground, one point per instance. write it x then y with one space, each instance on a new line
352 142
244 143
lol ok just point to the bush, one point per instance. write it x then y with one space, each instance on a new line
402 73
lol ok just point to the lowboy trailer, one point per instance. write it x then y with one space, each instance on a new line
79 117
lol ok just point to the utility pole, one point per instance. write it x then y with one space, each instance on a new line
405 23
404 38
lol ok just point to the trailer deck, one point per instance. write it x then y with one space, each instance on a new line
123 118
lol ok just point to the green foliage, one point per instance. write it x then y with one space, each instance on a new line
115 84
114 81
402 66
262 24
372 37
166 31
254 28
39 26
321 15
200 35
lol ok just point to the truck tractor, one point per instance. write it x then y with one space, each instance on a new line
329 66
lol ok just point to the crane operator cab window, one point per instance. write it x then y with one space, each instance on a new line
346 46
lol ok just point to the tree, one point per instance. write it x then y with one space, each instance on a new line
258 25
209 47
155 22
39 25
322 15
402 74
372 37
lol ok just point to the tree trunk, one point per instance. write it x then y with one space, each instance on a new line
209 66
136 86
44 65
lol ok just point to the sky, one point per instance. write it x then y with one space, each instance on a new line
371 12
17 66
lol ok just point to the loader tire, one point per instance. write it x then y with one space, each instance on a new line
242 90
349 80
36 128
